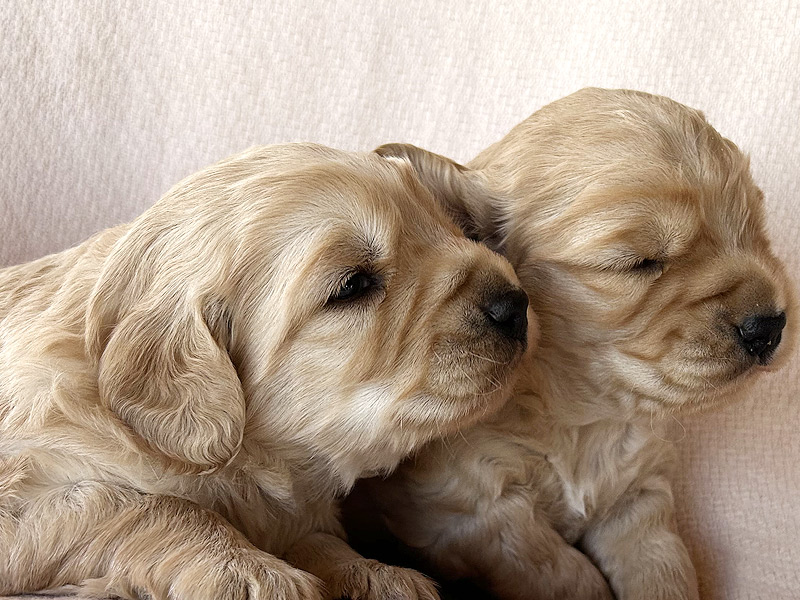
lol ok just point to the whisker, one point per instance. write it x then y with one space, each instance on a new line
463 437
497 385
486 358
668 441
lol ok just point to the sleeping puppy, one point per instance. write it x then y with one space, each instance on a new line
638 234
183 398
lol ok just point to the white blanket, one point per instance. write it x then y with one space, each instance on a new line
103 105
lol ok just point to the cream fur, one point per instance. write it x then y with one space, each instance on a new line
566 492
182 402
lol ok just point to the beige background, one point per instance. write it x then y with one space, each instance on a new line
103 105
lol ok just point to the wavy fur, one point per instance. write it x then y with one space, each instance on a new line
182 401
638 233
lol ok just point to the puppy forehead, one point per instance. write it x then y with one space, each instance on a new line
656 221
352 213
665 221
704 188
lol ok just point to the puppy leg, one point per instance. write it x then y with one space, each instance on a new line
117 542
504 543
511 550
347 574
639 550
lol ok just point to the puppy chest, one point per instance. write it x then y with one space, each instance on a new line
593 474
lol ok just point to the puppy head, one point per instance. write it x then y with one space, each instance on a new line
305 299
638 234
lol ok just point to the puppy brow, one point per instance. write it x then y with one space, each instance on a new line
372 248
362 250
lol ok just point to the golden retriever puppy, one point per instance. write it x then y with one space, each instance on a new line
638 234
184 398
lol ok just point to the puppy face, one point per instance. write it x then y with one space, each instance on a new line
639 235
305 299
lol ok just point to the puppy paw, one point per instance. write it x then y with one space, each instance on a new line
249 575
593 587
366 579
602 593
597 589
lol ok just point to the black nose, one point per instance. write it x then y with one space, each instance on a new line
507 313
759 335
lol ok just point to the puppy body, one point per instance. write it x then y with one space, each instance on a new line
184 398
638 234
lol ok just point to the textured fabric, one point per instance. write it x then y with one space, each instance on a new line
104 105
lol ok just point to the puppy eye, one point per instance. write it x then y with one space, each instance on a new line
648 266
353 287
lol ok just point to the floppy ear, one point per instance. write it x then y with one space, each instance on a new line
463 192
161 369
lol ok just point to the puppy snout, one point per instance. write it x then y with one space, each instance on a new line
506 312
760 335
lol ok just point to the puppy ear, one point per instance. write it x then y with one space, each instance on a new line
464 193
161 369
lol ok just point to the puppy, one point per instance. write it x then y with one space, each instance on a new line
638 234
184 398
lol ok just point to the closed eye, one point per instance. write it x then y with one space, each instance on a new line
648 266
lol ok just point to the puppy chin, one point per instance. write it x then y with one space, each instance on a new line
726 383
654 391
700 394
402 426
437 414
476 381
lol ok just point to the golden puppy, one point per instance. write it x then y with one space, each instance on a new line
638 234
183 398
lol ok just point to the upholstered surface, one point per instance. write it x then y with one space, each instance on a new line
104 105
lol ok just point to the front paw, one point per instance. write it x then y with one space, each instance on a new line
589 584
582 580
366 579
255 575
601 592
247 575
